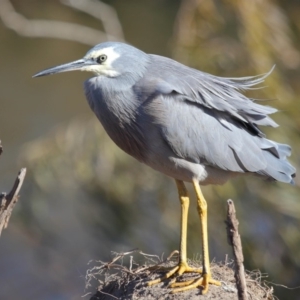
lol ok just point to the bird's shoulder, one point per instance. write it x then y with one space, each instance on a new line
162 76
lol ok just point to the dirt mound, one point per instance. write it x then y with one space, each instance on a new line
128 278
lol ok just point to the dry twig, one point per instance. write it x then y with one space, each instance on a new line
8 201
104 13
62 30
153 263
235 241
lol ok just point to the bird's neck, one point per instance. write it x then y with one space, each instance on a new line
117 110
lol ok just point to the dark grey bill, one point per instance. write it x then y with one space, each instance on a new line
72 66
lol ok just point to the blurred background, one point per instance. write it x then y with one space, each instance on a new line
82 197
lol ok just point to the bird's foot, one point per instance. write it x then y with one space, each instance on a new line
202 282
180 269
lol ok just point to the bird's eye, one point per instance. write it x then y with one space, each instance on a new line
102 58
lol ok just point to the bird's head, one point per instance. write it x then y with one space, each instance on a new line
110 59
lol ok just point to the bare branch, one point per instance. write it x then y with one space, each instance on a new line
8 201
104 13
50 29
235 241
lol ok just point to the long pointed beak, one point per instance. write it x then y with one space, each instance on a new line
72 66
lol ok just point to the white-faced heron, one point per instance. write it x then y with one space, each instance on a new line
189 125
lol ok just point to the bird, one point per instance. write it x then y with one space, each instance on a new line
187 124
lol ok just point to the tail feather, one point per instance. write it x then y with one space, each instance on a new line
278 167
284 150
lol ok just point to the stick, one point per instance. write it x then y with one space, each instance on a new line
105 13
57 29
235 241
8 201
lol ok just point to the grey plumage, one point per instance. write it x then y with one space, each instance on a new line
169 112
181 121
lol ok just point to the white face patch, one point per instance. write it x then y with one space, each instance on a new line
104 68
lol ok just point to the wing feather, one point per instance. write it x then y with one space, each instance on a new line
220 94
206 119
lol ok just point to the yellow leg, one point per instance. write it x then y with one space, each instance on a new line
185 202
206 273
182 266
